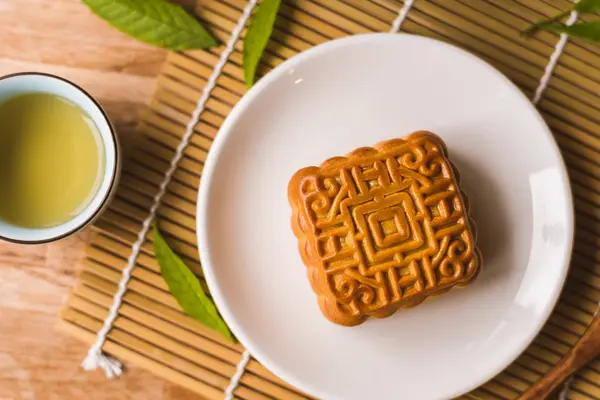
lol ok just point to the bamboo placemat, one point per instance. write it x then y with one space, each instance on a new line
153 333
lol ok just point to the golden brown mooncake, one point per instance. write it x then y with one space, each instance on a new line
383 228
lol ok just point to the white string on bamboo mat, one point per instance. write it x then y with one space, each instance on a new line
565 389
558 49
539 92
235 379
397 24
95 357
241 367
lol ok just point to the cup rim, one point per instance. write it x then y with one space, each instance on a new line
113 172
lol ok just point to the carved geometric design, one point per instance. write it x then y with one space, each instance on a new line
383 228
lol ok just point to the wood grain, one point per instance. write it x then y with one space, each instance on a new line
586 349
36 362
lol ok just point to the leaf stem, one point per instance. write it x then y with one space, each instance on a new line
535 27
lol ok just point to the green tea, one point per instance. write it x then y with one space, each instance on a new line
51 160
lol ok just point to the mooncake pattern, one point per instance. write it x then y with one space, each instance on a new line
383 228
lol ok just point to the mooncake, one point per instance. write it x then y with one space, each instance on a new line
383 228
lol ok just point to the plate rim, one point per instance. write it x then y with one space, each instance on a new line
218 146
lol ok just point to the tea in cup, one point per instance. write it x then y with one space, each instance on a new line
59 158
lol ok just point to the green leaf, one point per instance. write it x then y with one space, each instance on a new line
186 288
584 30
257 37
156 22
583 7
587 6
539 25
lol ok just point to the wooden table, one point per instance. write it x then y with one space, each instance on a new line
64 38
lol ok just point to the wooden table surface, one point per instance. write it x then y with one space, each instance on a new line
36 362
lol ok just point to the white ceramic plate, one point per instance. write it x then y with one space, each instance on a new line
356 92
